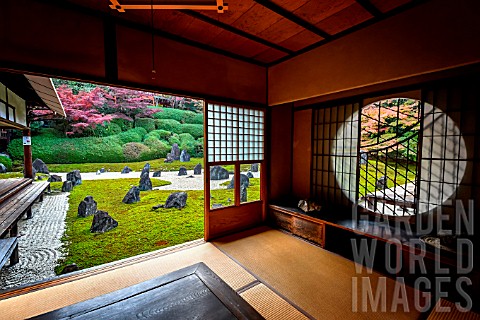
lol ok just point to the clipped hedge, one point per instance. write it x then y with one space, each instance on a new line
67 150
196 130
182 116
146 123
123 124
158 148
7 162
159 134
168 125
132 135
135 151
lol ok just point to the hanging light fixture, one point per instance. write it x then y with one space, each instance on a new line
219 5
153 43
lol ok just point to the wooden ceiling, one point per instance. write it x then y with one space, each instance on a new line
264 32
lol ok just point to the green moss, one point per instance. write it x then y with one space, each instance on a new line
9 175
140 229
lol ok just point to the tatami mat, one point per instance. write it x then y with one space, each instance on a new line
446 310
52 298
270 305
317 281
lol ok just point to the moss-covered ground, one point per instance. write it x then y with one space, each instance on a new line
140 229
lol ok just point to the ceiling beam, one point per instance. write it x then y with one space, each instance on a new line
292 17
236 31
367 5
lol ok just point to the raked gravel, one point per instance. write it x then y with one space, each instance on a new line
39 243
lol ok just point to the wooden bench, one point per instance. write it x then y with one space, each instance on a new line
17 197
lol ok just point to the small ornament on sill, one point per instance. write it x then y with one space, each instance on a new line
308 205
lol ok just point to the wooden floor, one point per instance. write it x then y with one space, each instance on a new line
281 276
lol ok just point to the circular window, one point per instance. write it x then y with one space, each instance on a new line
398 174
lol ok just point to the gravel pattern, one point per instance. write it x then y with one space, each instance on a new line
178 182
39 243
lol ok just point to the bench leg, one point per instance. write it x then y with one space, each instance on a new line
41 198
14 258
29 213
14 230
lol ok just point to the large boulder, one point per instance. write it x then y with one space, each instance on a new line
244 181
198 169
175 152
67 186
132 196
175 200
54 178
87 207
184 156
157 174
102 222
3 169
218 173
249 174
182 171
102 170
145 183
363 157
254 167
126 170
243 193
40 166
75 177
381 183
169 158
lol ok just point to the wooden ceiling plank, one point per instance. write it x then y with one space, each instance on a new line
317 10
239 32
387 5
301 40
290 16
345 19
367 5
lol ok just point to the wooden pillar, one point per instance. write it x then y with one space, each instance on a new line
27 154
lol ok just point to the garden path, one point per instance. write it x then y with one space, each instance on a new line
39 243
178 182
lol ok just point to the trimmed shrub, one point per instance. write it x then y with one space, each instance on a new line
187 142
146 123
158 149
196 130
132 135
123 124
7 162
135 151
174 138
104 130
70 150
182 116
199 148
168 125
159 134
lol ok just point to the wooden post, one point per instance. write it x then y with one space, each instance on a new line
27 155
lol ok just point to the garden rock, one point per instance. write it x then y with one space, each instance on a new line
126 170
145 182
184 156
243 193
175 152
176 200
381 183
190 177
182 171
244 181
40 166
75 177
70 268
98 172
3 169
102 170
54 178
102 222
198 169
254 167
218 173
132 196
169 158
249 174
67 186
157 174
217 205
87 207
363 157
